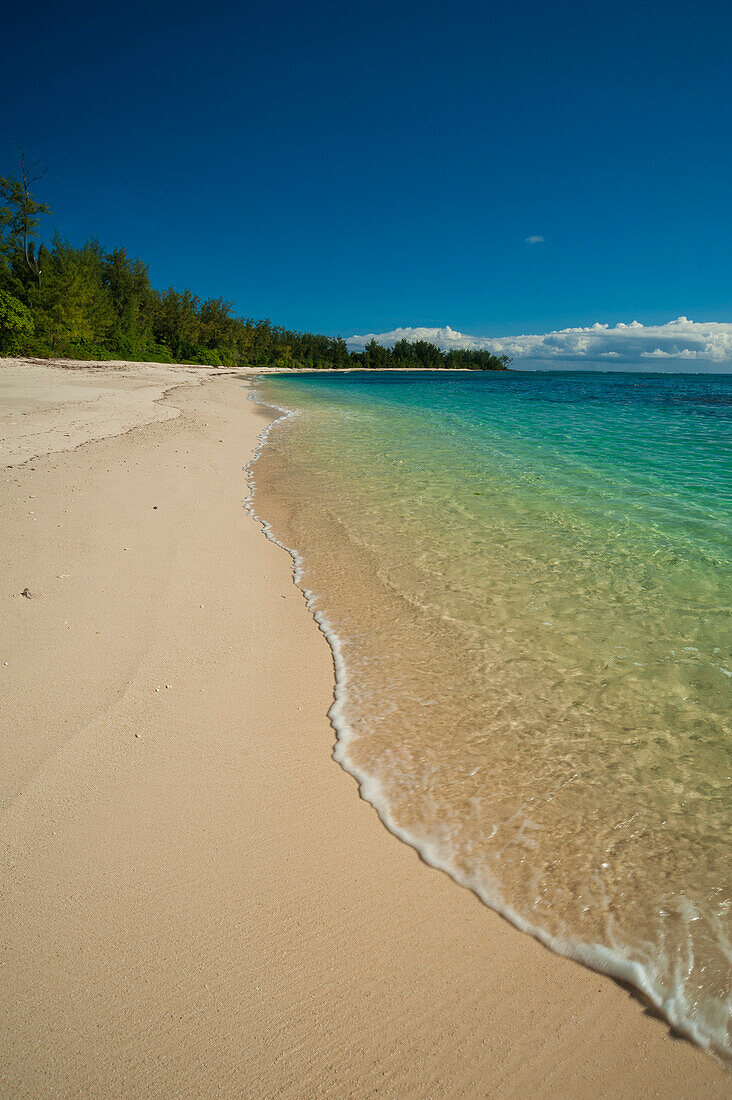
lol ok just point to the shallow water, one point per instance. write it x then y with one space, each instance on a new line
526 579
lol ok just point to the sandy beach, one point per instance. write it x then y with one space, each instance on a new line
195 900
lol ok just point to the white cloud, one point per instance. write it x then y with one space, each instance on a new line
534 240
682 340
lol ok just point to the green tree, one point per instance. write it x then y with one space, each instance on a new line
218 330
376 357
176 323
16 324
73 309
21 212
131 301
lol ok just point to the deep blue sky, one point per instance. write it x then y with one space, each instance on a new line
351 167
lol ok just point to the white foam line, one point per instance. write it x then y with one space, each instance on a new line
670 1002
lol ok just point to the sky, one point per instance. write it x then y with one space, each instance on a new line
497 170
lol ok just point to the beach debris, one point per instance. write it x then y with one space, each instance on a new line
27 593
155 507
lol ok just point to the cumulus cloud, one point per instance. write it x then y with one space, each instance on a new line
534 240
682 340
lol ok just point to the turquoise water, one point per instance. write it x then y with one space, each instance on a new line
526 580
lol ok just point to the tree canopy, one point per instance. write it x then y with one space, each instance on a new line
86 302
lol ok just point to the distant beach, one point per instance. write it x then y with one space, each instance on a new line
195 899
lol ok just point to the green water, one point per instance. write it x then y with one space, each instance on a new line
526 582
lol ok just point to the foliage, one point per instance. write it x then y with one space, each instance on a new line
21 211
88 303
421 355
16 324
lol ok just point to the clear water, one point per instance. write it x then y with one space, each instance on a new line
526 579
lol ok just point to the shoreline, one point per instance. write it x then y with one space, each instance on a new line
596 956
194 904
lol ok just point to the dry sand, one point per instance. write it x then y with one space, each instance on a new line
57 405
195 902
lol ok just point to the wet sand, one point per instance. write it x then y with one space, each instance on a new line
195 900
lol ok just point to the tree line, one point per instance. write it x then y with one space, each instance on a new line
58 300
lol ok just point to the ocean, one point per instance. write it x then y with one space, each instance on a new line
525 579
